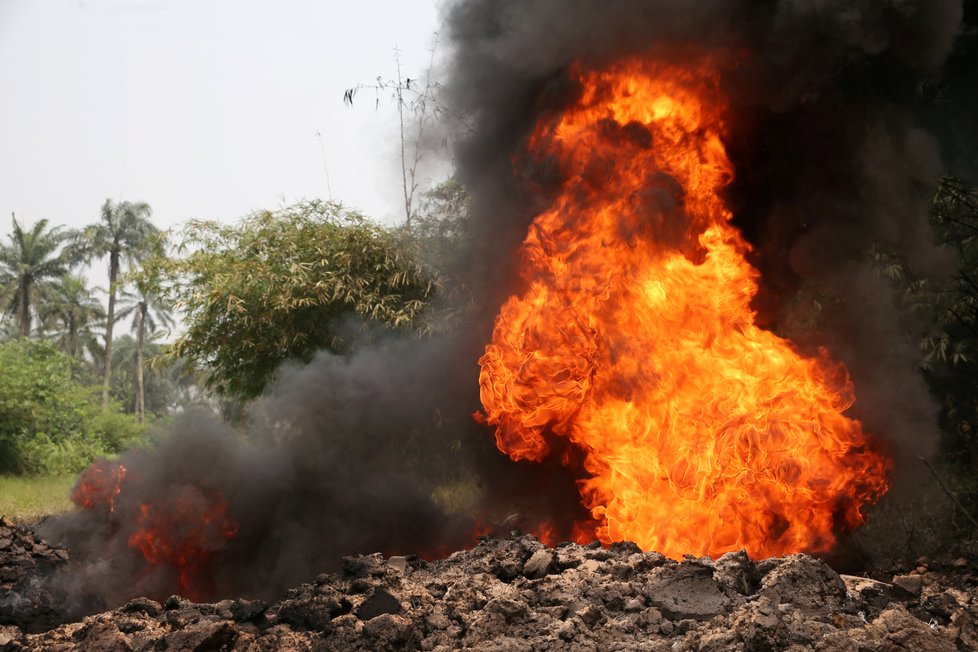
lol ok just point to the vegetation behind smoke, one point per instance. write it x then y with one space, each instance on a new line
283 285
49 422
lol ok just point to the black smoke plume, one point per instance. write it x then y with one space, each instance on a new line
826 137
344 455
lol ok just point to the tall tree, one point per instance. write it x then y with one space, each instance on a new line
28 261
149 312
284 285
123 234
73 311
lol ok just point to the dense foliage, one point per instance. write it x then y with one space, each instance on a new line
49 422
282 285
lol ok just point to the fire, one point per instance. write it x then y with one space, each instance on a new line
178 533
182 532
634 339
99 485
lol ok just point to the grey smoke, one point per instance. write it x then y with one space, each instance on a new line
319 474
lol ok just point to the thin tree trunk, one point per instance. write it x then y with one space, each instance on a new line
400 116
24 308
73 336
140 339
109 323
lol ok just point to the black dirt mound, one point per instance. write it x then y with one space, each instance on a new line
517 594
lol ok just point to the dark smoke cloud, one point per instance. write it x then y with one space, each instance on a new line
321 473
828 150
343 453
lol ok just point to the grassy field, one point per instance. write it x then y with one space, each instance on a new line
26 499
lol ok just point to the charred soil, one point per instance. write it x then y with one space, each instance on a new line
517 594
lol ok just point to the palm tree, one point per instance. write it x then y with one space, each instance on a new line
72 309
158 390
149 311
123 234
29 262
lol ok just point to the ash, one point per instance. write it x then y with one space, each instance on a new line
517 594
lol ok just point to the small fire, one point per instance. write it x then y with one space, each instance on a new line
182 532
99 485
634 339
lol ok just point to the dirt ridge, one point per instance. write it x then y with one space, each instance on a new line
517 594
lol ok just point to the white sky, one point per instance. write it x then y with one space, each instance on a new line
202 108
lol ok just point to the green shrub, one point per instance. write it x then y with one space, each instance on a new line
281 286
50 423
114 430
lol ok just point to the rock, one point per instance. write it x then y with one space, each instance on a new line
567 630
539 564
203 637
966 624
102 637
10 636
175 602
735 572
245 611
510 610
142 605
686 590
939 606
855 584
868 595
625 548
389 630
591 616
806 583
569 556
961 597
313 613
896 628
362 566
909 584
398 563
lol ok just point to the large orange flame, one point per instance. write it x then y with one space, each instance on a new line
634 338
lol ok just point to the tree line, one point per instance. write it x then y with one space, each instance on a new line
276 286
44 297
280 285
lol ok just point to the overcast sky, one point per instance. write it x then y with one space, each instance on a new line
202 108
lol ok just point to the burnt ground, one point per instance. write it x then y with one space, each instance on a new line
517 594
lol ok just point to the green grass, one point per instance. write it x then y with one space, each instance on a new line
28 498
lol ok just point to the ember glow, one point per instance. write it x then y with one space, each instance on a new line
182 532
695 431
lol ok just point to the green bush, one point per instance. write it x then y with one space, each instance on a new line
50 423
281 286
